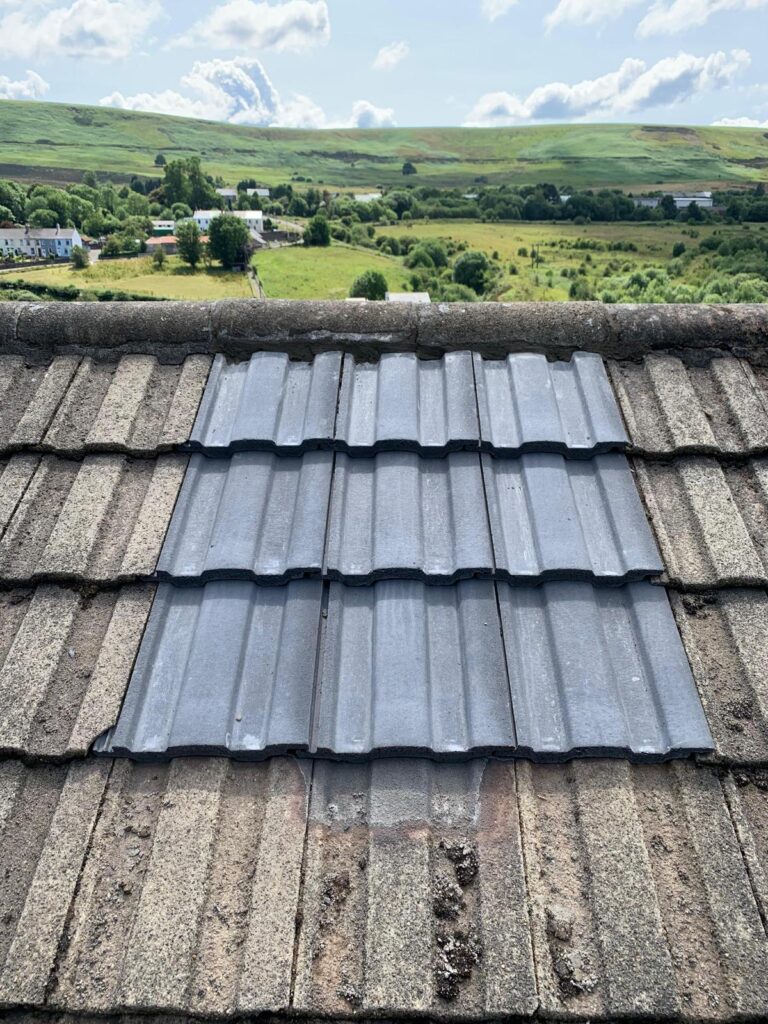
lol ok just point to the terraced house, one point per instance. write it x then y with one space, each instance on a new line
383 661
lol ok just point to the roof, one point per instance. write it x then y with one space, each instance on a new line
398 886
28 232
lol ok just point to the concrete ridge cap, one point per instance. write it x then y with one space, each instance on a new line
239 327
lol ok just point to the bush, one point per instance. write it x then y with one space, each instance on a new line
317 231
79 258
370 285
158 258
471 269
678 249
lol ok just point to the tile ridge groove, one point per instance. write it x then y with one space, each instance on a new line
64 939
528 869
299 916
756 896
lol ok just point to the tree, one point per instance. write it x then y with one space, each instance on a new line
370 285
228 240
409 168
188 243
79 258
158 258
694 212
678 249
43 218
160 160
668 207
471 269
317 231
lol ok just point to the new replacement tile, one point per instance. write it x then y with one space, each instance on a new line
406 667
565 518
400 667
527 403
255 515
399 515
404 402
268 402
597 670
224 668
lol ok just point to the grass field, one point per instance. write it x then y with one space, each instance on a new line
175 281
48 141
299 273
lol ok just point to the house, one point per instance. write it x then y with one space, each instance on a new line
649 202
167 243
262 193
366 197
254 219
39 243
163 227
551 801
227 193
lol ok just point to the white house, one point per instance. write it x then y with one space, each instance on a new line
39 243
702 199
262 193
254 219
366 197
162 227
227 193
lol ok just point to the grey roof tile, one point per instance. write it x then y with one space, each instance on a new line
526 402
641 905
256 515
725 633
556 517
408 403
136 406
269 402
673 408
101 520
405 667
710 519
596 670
402 667
65 662
258 643
397 514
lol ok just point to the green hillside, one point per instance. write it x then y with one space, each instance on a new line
50 141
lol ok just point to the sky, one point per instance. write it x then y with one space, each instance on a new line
350 63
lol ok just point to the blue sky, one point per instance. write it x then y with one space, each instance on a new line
312 63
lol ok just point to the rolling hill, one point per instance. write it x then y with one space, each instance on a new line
56 142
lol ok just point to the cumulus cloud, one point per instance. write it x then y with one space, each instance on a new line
99 29
240 91
740 122
390 56
366 115
633 87
31 87
678 15
294 26
493 9
588 12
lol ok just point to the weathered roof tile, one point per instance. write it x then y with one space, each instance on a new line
672 408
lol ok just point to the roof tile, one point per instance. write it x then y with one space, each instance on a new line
65 662
672 408
136 406
527 403
101 520
709 519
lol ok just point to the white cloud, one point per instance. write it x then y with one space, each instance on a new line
240 91
98 29
493 9
588 12
366 115
390 56
678 15
633 87
740 122
294 26
32 87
